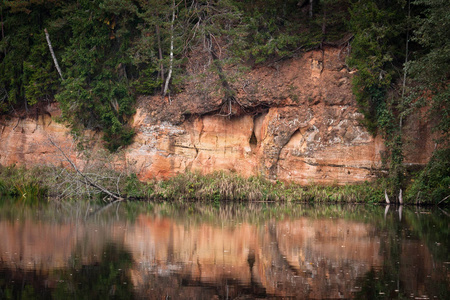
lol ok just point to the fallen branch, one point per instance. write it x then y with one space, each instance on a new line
87 179
443 200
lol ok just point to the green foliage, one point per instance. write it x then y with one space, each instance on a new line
379 53
216 187
147 84
431 72
332 18
220 186
433 33
28 75
96 93
150 49
106 278
133 187
3 188
23 185
110 50
432 69
378 27
432 185
270 29
277 29
367 192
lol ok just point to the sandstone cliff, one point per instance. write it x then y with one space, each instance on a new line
295 120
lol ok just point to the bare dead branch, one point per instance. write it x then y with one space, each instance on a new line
443 200
86 179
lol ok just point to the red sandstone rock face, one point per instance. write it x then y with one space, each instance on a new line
296 121
284 143
25 141
302 125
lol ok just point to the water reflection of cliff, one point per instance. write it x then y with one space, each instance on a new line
301 257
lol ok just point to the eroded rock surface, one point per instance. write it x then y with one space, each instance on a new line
296 121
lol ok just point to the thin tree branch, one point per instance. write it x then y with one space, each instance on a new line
443 200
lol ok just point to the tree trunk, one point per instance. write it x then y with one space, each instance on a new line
229 93
386 197
171 51
53 54
161 65
228 90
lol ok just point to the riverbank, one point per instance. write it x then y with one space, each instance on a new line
51 182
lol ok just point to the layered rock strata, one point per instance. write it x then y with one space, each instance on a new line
295 121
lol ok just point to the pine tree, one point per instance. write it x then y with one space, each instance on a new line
28 75
96 92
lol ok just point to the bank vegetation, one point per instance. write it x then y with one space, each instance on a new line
43 184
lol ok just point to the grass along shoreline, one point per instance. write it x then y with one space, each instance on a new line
59 183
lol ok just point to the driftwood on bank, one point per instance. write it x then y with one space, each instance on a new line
87 179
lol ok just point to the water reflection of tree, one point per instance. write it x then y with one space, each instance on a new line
255 288
432 228
105 279
293 281
404 272
22 284
384 281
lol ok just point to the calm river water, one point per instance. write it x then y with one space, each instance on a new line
230 251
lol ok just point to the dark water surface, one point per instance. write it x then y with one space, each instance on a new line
232 251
